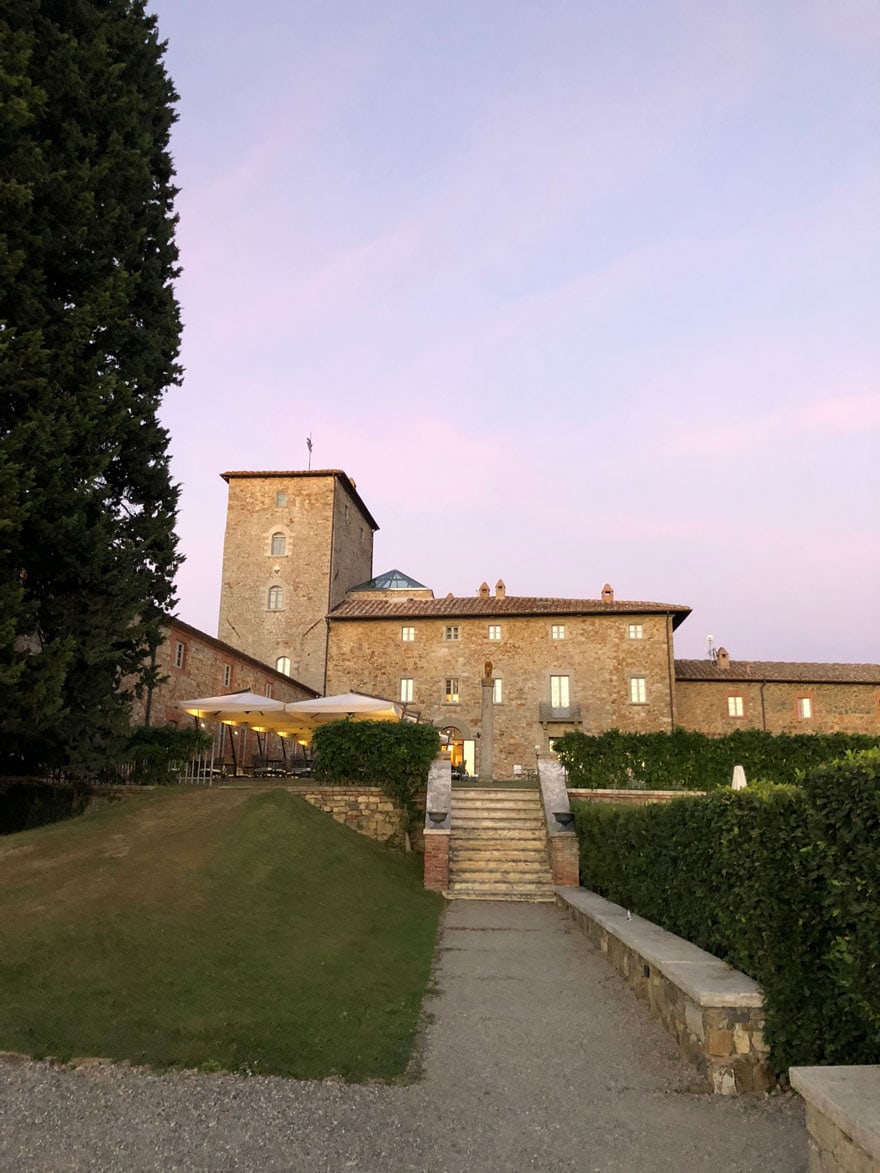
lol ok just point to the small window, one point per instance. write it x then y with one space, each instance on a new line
495 631
496 690
635 631
279 545
557 631
268 689
638 690
451 690
179 654
805 708
408 634
280 498
275 600
227 675
559 692
406 689
282 664
450 632
734 706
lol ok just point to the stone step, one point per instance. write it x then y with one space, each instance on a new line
479 819
496 891
526 851
478 836
541 878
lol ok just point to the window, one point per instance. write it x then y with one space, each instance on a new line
451 690
495 631
406 688
408 634
496 690
559 695
268 690
804 708
635 631
282 664
280 498
450 632
179 654
276 599
557 631
638 690
227 675
279 545
734 706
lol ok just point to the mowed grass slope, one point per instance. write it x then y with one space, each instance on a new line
214 928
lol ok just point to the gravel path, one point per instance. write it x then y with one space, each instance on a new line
537 1058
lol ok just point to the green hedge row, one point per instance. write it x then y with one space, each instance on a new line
395 755
683 760
782 882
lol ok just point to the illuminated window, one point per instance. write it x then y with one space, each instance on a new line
276 599
638 690
805 708
495 631
279 545
451 690
406 689
408 634
450 632
557 631
282 664
734 706
496 690
635 631
559 693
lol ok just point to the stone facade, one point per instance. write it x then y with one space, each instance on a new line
295 543
835 707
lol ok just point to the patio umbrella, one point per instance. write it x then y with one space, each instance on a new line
246 706
347 704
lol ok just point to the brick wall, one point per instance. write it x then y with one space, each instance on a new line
596 654
844 708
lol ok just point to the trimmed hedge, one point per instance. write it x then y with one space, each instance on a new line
783 882
684 760
395 755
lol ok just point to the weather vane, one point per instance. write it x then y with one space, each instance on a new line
309 446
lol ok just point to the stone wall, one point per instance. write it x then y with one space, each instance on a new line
837 708
329 548
843 1116
596 654
630 797
363 808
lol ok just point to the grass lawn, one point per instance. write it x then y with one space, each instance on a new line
218 929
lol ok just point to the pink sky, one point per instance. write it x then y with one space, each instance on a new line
575 292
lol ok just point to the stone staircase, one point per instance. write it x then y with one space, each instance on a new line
498 846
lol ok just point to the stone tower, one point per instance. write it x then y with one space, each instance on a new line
295 543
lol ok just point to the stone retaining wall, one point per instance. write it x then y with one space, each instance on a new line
843 1117
630 797
366 809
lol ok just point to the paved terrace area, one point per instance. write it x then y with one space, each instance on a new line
536 1057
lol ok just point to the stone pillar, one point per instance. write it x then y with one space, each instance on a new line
487 730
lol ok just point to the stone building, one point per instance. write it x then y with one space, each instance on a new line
298 593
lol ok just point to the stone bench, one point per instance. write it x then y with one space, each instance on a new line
715 1013
843 1117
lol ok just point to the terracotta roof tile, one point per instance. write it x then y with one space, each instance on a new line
511 605
779 671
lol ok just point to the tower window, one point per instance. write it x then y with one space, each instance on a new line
279 545
282 664
275 599
280 498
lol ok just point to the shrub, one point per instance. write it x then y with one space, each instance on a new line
155 752
395 755
685 760
783 883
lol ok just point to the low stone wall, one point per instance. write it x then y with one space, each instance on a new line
843 1117
631 797
715 1013
366 809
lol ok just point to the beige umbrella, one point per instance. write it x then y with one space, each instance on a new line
356 705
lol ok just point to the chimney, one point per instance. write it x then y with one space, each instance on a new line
500 589
723 660
484 590
607 594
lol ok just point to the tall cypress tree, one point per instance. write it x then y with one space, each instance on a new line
89 339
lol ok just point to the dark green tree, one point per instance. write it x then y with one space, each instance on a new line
89 340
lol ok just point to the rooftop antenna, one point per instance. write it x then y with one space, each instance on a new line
711 650
309 446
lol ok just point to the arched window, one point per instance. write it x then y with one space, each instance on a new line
279 545
276 599
282 664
